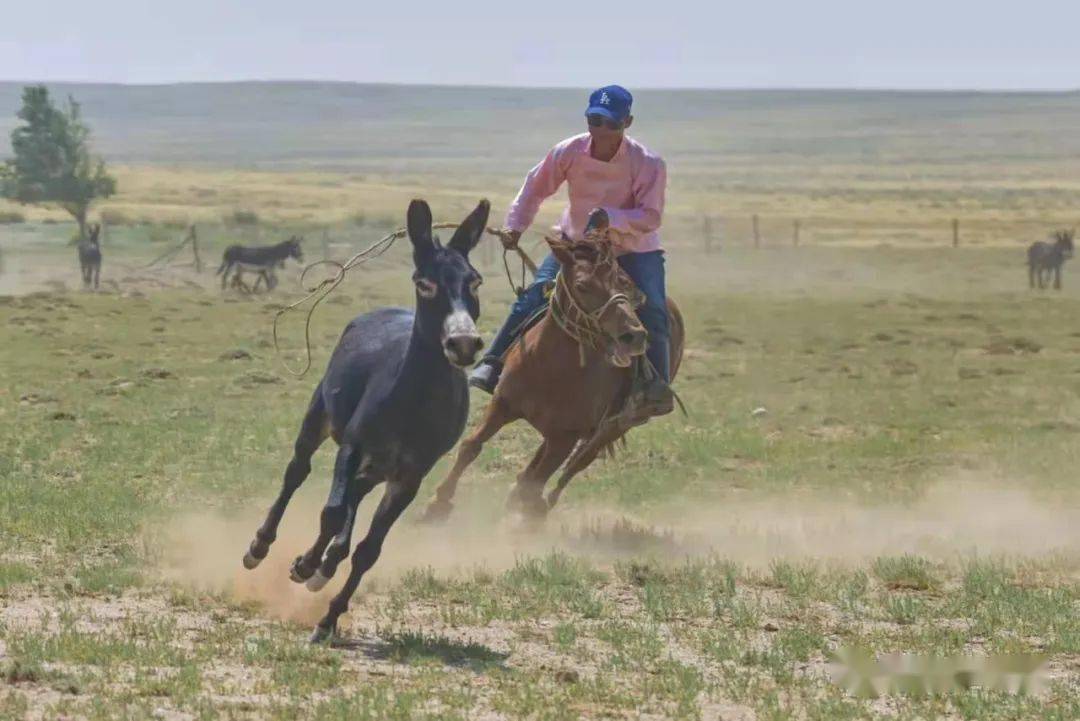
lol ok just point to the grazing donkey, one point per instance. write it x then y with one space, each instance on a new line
90 256
394 397
1046 258
260 259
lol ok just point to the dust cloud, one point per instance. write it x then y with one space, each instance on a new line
958 518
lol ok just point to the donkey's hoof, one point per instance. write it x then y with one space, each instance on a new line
256 553
299 573
322 634
437 511
317 582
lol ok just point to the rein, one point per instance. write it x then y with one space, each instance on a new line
328 285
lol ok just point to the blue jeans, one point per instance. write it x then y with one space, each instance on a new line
647 272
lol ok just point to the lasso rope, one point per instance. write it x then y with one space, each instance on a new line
327 286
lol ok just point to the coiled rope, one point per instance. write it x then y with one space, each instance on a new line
328 285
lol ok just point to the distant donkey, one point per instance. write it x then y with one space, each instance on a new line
260 260
1046 258
90 256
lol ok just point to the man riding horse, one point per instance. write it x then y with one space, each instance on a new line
616 188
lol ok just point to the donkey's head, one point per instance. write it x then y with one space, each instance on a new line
93 231
293 246
603 291
447 286
1064 242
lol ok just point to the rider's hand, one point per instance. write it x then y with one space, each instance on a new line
510 238
598 222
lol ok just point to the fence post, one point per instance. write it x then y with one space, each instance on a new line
757 233
956 232
795 234
195 248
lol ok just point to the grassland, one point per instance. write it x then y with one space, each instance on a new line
911 487
881 450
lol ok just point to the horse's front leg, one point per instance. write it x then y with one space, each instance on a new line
400 492
527 494
497 416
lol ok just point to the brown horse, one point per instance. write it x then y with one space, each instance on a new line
567 375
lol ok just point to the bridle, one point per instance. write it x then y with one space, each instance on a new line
580 323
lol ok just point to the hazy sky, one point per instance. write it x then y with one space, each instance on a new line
664 43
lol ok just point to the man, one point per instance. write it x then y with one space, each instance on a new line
618 178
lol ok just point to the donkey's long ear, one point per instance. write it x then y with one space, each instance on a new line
471 229
419 226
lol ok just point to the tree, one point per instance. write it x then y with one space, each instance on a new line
52 162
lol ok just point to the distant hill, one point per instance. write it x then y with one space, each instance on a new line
349 126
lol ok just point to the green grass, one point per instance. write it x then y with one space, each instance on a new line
884 501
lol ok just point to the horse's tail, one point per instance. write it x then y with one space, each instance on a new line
222 267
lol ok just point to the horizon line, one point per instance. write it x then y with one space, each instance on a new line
496 86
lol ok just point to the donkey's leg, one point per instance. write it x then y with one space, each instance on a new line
1057 277
313 431
527 494
332 518
1031 275
339 547
97 275
225 273
497 416
399 494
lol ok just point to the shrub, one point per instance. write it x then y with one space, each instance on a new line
10 217
111 216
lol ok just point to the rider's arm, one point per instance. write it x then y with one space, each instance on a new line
645 217
540 184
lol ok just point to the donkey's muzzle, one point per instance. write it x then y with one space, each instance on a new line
461 340
461 350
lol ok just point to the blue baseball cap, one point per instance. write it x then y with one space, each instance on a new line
611 101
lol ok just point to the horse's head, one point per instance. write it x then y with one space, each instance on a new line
295 251
1064 240
603 291
447 286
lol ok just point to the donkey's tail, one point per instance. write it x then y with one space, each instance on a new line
222 267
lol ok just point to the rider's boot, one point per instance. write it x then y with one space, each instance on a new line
486 375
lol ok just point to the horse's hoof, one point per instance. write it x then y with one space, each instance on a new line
250 561
317 582
323 635
299 574
437 512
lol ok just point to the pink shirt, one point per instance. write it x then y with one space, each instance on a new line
630 187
